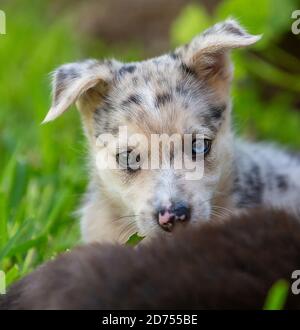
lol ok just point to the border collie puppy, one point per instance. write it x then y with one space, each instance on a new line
180 100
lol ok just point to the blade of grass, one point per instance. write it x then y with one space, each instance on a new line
277 296
3 220
134 239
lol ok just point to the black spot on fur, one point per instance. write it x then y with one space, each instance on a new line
133 99
73 73
181 90
97 115
282 182
212 126
174 56
233 30
213 118
188 70
63 78
248 187
103 119
162 99
127 69
216 112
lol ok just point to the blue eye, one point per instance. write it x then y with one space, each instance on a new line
201 146
128 160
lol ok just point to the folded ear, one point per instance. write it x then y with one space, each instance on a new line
73 81
207 53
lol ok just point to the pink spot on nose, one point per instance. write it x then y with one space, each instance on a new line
165 218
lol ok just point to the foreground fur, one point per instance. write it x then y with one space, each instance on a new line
186 91
217 266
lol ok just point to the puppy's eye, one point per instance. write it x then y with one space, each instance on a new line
201 146
128 160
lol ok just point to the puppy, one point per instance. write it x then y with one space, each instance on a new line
221 265
127 112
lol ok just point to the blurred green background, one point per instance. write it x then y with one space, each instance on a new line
42 168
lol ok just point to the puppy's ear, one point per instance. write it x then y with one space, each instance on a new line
72 82
207 54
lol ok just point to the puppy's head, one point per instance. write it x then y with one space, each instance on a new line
128 110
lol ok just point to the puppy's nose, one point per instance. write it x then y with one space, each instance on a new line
168 217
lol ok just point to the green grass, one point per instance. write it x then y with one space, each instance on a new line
277 296
42 167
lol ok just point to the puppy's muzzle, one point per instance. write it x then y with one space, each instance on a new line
169 217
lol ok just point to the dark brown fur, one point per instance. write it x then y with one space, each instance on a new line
219 266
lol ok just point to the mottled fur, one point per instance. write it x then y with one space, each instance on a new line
186 91
229 265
